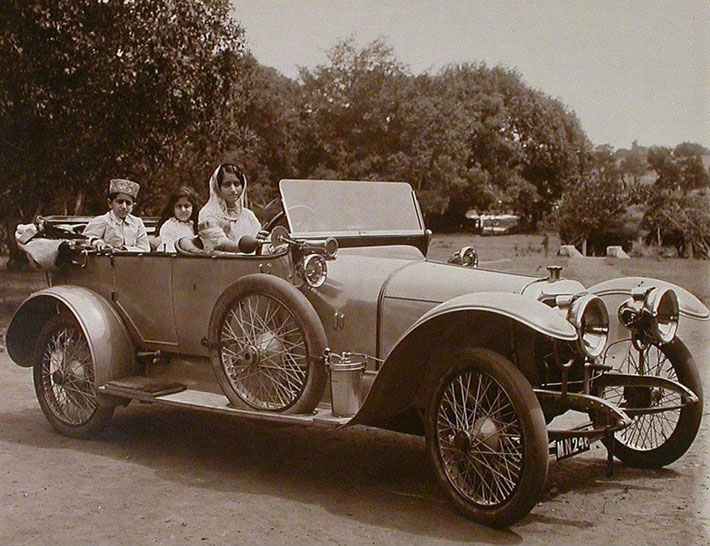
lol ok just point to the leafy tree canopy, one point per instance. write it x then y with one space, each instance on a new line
595 206
95 90
467 136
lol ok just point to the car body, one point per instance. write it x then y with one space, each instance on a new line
341 320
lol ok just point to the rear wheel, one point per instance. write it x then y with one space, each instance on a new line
656 439
64 379
267 344
487 439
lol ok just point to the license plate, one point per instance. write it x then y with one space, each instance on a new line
567 447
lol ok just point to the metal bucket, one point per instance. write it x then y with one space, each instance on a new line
346 387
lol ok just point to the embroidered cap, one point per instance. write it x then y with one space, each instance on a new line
121 185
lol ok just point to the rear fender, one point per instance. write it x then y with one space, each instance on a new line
414 362
111 348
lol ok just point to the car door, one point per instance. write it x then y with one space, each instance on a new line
143 296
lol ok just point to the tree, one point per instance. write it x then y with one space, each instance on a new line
468 136
680 220
680 169
270 116
350 112
521 146
632 164
595 207
693 174
94 90
676 209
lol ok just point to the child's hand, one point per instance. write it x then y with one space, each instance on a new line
100 245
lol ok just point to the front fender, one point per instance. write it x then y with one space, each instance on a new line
690 306
406 367
523 309
110 345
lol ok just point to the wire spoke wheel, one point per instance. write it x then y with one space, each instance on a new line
65 380
68 376
656 439
479 438
487 438
264 353
265 340
647 432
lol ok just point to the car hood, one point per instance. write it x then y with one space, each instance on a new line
438 282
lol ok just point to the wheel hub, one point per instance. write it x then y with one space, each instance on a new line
485 431
251 356
58 378
462 440
268 345
656 395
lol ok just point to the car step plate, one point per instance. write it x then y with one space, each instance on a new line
218 403
568 447
139 386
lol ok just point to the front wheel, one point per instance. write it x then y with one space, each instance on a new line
486 438
656 439
64 379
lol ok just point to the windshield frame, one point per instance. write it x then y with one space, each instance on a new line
419 231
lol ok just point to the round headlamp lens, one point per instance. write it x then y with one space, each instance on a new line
469 256
590 318
315 270
331 247
662 307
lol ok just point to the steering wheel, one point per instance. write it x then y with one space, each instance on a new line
302 216
271 223
304 213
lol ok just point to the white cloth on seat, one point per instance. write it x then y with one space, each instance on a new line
41 253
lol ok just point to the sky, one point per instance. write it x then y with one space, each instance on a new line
630 70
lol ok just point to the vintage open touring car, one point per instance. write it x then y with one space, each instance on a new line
339 319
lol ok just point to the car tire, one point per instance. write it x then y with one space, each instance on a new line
267 345
486 438
658 439
64 379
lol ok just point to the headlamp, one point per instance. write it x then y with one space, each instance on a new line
315 270
590 318
653 312
467 256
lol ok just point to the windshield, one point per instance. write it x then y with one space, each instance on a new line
330 207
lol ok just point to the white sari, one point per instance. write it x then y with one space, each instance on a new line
217 224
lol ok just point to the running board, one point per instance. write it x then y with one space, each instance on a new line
218 403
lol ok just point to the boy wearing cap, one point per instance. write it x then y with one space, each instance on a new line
118 228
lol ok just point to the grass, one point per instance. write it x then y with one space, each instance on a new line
509 253
524 254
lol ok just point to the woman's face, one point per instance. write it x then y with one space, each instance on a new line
183 209
231 188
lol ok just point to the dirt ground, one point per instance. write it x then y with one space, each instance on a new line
161 475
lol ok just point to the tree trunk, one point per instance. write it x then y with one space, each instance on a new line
584 247
79 203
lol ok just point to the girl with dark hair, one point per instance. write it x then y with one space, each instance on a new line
225 218
178 219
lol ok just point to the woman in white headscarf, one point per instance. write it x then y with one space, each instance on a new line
225 218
